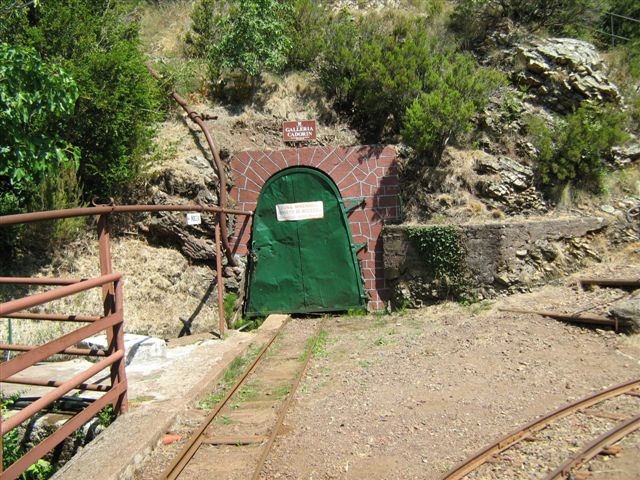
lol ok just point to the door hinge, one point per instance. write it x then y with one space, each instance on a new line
359 246
349 204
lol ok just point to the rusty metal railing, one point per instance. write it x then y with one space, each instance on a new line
112 321
115 393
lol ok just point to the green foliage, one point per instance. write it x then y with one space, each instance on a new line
106 416
13 450
97 43
446 111
308 28
253 38
392 75
34 98
443 255
473 19
229 304
622 27
572 151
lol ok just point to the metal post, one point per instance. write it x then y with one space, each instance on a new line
108 300
221 320
613 34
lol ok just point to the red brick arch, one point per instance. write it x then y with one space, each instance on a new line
361 171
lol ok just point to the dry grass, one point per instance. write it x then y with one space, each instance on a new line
160 286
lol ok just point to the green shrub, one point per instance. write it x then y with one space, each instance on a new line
438 117
308 28
392 75
573 151
97 43
623 27
254 37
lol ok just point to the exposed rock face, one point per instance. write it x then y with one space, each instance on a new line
627 154
628 314
562 72
193 185
500 257
509 184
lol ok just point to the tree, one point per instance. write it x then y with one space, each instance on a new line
35 97
253 38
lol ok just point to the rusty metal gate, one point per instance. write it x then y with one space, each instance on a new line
303 258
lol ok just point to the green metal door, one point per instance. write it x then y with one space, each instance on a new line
302 254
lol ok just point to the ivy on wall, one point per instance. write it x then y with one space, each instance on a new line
443 255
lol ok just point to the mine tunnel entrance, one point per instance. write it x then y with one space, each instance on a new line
302 257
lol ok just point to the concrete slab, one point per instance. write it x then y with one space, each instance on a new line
158 392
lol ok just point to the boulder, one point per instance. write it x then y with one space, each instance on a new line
563 72
628 314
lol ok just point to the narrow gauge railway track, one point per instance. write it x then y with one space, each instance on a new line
236 437
585 406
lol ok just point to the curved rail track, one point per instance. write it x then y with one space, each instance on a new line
240 440
579 458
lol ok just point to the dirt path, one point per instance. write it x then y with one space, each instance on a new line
411 395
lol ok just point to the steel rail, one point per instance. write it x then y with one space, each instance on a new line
105 209
479 458
14 306
41 382
611 282
86 352
43 402
594 448
191 447
54 317
285 409
577 318
40 280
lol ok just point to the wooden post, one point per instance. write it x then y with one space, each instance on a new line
221 320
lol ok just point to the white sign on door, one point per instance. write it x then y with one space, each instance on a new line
194 219
287 212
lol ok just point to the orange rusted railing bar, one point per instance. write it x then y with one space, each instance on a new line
40 280
118 371
13 306
54 317
44 401
87 352
27 359
88 211
41 382
75 422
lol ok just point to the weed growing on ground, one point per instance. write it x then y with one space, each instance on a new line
224 420
230 375
280 391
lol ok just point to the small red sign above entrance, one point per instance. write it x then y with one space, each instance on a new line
299 131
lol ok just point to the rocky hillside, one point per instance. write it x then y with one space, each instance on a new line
490 173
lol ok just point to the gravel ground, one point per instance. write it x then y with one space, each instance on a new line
412 394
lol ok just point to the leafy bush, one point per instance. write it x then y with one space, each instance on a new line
573 150
393 76
439 116
621 26
443 254
308 28
97 43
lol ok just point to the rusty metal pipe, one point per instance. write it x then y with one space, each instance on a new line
41 382
90 211
579 318
40 281
221 319
27 359
87 352
611 282
197 118
40 298
52 317
64 388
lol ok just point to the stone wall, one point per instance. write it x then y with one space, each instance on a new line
499 257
